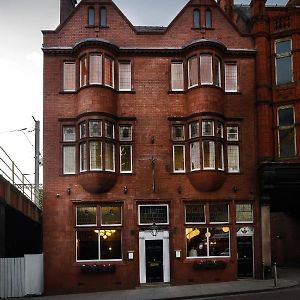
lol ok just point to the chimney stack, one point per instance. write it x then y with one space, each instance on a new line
66 8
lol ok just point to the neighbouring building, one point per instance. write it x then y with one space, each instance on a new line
151 160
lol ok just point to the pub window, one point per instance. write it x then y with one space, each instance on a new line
194 213
125 76
218 213
177 82
208 18
98 242
206 73
196 16
231 80
95 69
286 132
283 61
149 214
103 17
91 16
178 158
69 76
193 71
244 213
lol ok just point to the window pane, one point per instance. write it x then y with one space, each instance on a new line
95 128
83 71
217 72
177 76
208 154
111 215
194 130
287 142
283 47
286 116
150 214
125 133
109 130
126 158
125 76
69 76
69 160
196 18
195 156
233 158
194 213
95 156
69 134
83 158
284 70
103 17
208 19
91 16
207 128
96 69
192 71
220 131
232 133
86 215
110 244
219 241
109 157
231 78
82 130
218 212
87 245
206 69
196 242
178 132
109 72
244 212
220 156
178 158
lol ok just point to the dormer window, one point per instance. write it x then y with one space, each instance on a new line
196 18
91 16
103 17
208 18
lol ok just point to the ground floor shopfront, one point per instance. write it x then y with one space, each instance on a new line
116 245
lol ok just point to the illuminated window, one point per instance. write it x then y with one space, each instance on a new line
178 158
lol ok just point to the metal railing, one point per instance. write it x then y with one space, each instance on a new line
13 174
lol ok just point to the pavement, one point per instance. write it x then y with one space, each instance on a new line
287 279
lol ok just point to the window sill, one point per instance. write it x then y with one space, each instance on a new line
68 92
127 92
233 93
176 92
103 27
91 26
203 28
285 85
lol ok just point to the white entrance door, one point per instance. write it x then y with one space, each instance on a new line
154 252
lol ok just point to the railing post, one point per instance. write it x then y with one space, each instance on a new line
23 183
275 274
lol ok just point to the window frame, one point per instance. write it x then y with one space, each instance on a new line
197 18
211 82
238 159
101 23
197 71
76 216
230 90
182 76
228 213
252 213
184 159
154 204
112 71
130 68
208 13
195 223
131 159
91 9
73 63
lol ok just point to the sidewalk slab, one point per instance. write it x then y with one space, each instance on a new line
181 292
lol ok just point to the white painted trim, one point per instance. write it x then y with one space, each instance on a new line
146 236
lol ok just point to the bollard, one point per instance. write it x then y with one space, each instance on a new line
275 274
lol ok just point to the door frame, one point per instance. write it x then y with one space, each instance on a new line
146 236
248 232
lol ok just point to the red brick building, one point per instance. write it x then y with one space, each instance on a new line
150 134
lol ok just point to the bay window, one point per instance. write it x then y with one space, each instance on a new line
233 149
206 74
208 150
195 156
83 157
193 71
109 71
96 69
109 157
83 72
95 155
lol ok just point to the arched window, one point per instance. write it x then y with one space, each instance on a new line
91 16
196 18
103 17
208 18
